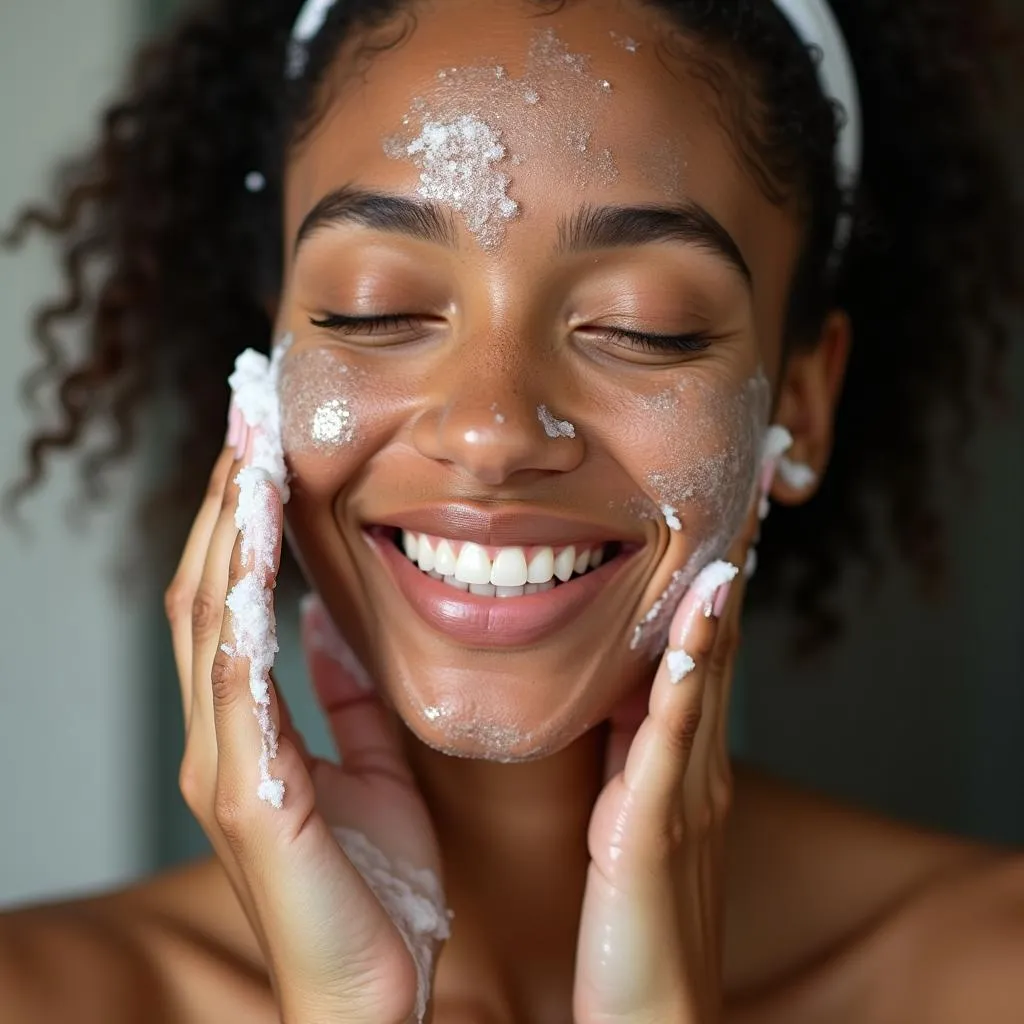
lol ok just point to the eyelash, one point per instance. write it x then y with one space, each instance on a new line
696 341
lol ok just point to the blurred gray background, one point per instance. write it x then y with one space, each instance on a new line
919 712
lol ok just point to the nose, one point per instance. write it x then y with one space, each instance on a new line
495 432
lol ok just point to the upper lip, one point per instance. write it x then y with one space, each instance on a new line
506 527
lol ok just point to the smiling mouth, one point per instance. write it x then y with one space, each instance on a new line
501 572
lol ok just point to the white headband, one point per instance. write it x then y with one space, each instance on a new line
812 20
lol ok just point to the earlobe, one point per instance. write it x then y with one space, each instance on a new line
809 390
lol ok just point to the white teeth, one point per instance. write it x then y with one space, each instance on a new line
444 559
473 565
565 562
411 543
425 555
509 569
542 566
508 575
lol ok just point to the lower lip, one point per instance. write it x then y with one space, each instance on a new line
493 621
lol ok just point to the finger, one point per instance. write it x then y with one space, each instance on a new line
255 762
208 601
182 589
363 729
709 760
660 753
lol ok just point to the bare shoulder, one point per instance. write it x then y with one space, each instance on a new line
807 874
839 914
175 948
955 954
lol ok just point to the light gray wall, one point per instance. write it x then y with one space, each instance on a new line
72 737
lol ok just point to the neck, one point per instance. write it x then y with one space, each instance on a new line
514 846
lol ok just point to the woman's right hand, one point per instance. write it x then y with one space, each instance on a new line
332 949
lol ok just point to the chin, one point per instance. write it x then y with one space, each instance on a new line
519 707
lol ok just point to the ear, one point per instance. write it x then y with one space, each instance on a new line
809 389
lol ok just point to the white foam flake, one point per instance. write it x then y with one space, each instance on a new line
553 427
798 475
413 900
777 441
680 665
672 518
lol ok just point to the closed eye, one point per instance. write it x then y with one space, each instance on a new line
366 324
694 341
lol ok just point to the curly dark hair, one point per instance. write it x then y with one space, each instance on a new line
189 258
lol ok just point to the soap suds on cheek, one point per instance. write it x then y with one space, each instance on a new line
706 459
317 393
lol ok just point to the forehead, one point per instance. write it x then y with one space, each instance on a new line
592 103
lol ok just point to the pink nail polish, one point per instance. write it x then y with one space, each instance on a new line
234 420
242 441
721 599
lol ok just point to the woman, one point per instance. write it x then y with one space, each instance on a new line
562 297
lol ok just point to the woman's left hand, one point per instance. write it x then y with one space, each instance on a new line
651 930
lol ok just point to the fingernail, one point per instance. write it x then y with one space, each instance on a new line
233 424
767 479
243 448
721 598
702 595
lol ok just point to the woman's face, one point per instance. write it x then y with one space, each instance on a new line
580 296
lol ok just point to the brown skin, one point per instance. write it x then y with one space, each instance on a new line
829 915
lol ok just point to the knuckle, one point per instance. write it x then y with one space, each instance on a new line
207 614
192 783
224 680
684 733
230 814
177 602
721 801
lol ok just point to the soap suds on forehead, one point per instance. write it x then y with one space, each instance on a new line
458 167
458 135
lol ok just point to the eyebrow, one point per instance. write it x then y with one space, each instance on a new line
609 227
590 227
381 212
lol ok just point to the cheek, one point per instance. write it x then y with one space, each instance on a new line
700 459
318 408
331 417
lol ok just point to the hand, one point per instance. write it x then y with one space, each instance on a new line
650 935
333 951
